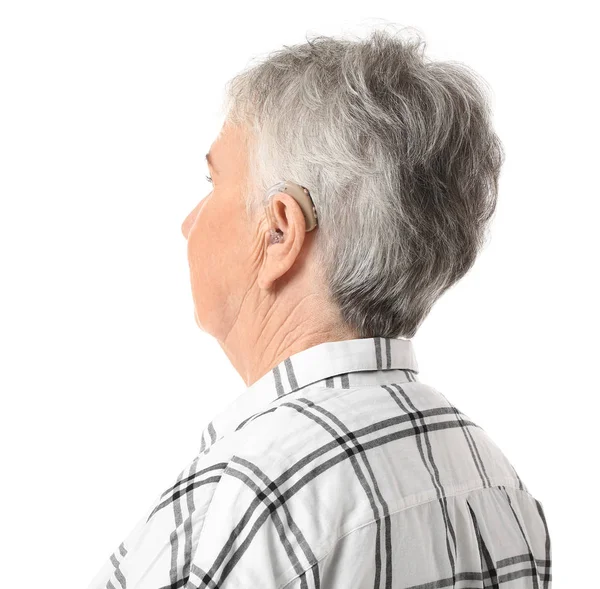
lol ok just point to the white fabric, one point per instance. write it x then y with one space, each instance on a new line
340 469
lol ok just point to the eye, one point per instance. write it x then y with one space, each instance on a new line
209 179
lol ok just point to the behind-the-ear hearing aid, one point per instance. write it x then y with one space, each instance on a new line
302 196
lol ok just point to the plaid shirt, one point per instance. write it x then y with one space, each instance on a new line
340 469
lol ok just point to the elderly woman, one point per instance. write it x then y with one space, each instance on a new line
352 185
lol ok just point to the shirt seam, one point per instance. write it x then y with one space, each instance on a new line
406 508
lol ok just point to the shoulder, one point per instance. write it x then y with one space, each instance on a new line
407 439
322 464
324 418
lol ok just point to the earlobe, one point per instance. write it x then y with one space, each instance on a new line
265 278
277 259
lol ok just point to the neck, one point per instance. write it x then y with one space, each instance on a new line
276 329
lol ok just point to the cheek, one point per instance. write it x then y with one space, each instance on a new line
198 252
210 248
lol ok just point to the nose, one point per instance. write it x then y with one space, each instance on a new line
189 220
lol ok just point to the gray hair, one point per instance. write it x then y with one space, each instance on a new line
400 158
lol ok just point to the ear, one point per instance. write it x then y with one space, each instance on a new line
286 215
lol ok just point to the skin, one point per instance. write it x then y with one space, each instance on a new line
262 302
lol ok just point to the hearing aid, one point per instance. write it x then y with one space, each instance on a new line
302 196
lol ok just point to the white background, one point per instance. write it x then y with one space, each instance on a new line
106 112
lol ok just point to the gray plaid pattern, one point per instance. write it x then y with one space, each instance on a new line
339 469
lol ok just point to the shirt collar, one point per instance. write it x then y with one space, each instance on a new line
306 367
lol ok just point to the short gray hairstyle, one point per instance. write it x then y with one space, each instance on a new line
400 158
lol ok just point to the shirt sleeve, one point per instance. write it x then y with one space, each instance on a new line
158 550
111 570
249 538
